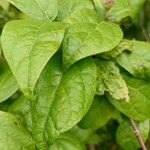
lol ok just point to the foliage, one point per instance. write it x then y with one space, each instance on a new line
72 72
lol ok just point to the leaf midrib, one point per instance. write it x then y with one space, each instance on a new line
44 12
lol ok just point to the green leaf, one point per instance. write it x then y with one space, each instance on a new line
126 137
67 141
137 63
98 115
84 16
86 39
13 134
139 103
73 98
110 81
125 8
27 46
8 85
38 9
67 7
120 10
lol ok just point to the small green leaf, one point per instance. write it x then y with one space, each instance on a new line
38 9
13 135
27 47
67 141
8 84
110 81
86 39
137 63
125 8
126 137
98 115
67 7
139 103
120 10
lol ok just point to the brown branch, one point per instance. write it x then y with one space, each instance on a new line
137 134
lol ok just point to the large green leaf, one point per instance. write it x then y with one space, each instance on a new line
38 9
13 136
137 63
27 46
120 10
67 7
67 141
73 98
86 39
126 137
110 81
8 84
98 115
139 104
125 8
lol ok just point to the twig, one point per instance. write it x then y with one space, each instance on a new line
137 134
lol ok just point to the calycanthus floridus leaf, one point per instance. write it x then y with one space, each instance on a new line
73 98
87 39
27 47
